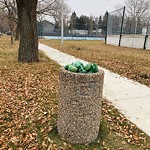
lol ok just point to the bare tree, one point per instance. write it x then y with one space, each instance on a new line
53 8
44 7
27 22
4 22
10 7
137 8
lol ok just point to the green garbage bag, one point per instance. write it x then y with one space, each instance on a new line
78 64
88 67
80 68
71 68
94 68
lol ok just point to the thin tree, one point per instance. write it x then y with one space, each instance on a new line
90 25
10 7
4 22
73 20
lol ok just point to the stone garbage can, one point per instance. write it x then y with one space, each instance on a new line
79 108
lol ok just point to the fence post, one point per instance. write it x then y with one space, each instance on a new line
145 40
106 27
146 37
121 26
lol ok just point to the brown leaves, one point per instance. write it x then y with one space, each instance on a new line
28 110
27 104
123 127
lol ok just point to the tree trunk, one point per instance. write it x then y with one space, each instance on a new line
17 33
12 37
28 48
11 25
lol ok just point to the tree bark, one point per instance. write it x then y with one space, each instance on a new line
17 33
28 48
12 37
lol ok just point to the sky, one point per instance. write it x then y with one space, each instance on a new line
94 8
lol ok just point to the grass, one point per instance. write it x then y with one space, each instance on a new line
128 62
28 110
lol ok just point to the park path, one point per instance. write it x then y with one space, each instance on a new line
131 98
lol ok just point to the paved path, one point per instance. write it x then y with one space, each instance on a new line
129 97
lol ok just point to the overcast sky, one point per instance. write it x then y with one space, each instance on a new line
95 8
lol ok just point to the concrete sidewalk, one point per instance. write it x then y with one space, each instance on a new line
131 98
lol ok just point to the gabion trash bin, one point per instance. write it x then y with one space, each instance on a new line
79 108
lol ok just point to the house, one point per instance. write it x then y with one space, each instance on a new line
45 28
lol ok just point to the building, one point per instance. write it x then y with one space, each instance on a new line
78 32
97 32
45 28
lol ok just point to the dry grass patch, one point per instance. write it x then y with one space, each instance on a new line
129 62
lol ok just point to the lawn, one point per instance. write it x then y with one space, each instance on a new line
128 62
28 110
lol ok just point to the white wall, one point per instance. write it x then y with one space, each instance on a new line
133 41
148 43
113 39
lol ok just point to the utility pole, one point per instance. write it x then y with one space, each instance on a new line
62 22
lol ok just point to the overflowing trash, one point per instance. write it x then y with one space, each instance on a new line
79 67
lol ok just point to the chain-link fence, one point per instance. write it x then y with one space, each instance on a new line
124 30
120 22
135 25
114 23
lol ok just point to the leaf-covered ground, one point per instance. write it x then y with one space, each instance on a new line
27 100
128 62
28 110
